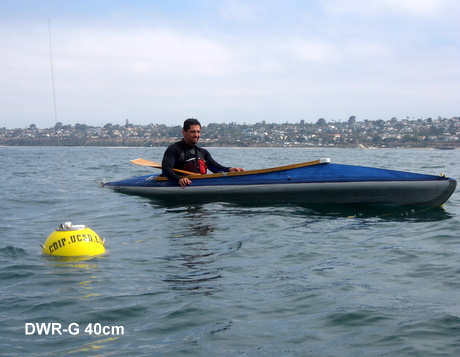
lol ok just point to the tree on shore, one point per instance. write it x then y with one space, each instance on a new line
321 122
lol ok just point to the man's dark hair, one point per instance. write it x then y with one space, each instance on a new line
190 121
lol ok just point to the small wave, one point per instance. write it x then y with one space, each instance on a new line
11 251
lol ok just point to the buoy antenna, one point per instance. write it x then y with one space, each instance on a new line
52 75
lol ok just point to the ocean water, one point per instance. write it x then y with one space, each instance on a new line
221 279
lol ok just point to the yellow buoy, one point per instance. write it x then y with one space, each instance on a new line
70 240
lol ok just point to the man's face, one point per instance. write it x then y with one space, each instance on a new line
192 135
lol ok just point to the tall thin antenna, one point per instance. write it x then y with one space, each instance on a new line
52 75
55 110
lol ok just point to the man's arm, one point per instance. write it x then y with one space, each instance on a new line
167 164
214 166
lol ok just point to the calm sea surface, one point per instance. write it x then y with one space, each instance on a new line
221 279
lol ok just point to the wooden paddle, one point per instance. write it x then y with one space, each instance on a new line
194 175
157 165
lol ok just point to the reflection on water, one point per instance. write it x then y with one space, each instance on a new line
362 211
193 264
198 219
194 252
386 213
76 274
82 262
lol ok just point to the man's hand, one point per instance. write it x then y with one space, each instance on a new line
184 181
235 169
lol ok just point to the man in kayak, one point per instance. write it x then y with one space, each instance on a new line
186 155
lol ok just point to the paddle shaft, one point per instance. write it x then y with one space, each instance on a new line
157 165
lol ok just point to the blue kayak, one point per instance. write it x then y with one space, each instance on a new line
313 182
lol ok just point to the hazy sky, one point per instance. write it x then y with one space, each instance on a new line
153 61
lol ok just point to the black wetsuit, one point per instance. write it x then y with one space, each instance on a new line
180 154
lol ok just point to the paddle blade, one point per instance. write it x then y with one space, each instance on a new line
149 163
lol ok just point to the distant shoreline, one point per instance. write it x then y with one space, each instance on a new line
236 147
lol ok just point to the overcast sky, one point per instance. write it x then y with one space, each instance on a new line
222 61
